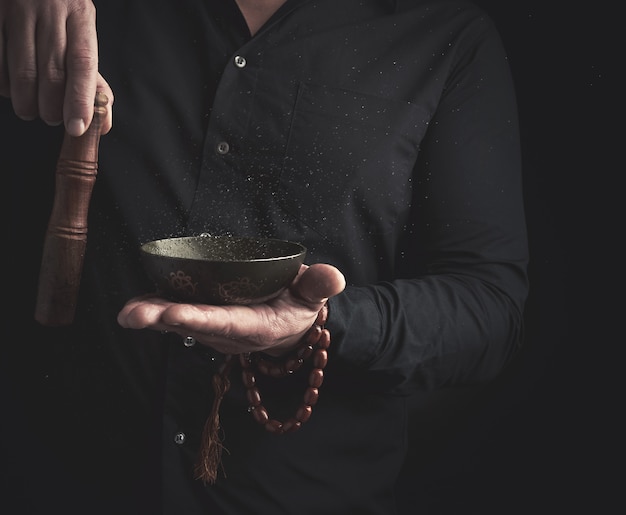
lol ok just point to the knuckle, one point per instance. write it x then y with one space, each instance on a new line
24 75
82 60
53 75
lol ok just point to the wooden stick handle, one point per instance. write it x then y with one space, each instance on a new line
66 235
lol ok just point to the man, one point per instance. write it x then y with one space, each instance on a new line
382 135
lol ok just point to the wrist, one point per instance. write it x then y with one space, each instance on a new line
282 360
283 350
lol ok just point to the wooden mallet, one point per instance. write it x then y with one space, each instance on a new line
66 234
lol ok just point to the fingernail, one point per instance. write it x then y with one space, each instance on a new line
75 127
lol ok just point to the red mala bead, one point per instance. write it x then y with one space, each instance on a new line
314 348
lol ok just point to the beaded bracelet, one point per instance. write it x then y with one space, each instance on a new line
314 346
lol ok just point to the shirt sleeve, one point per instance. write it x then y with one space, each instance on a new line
456 315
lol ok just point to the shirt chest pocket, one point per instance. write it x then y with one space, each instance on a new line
349 160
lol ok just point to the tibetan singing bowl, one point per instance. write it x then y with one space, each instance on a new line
221 269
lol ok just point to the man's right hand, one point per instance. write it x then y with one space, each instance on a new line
49 62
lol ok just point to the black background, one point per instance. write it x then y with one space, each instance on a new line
544 439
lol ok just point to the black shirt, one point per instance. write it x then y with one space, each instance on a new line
380 134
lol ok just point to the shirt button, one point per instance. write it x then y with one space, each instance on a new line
223 148
179 438
240 62
189 341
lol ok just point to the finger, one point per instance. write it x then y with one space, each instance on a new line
22 65
82 70
142 312
228 329
103 86
207 324
318 283
213 319
51 47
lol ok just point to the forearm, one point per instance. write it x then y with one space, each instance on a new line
433 332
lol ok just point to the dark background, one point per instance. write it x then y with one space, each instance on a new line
544 439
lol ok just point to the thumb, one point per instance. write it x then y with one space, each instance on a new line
318 282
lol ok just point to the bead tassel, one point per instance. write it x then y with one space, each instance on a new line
211 450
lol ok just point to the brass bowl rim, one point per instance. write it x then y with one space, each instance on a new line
150 248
